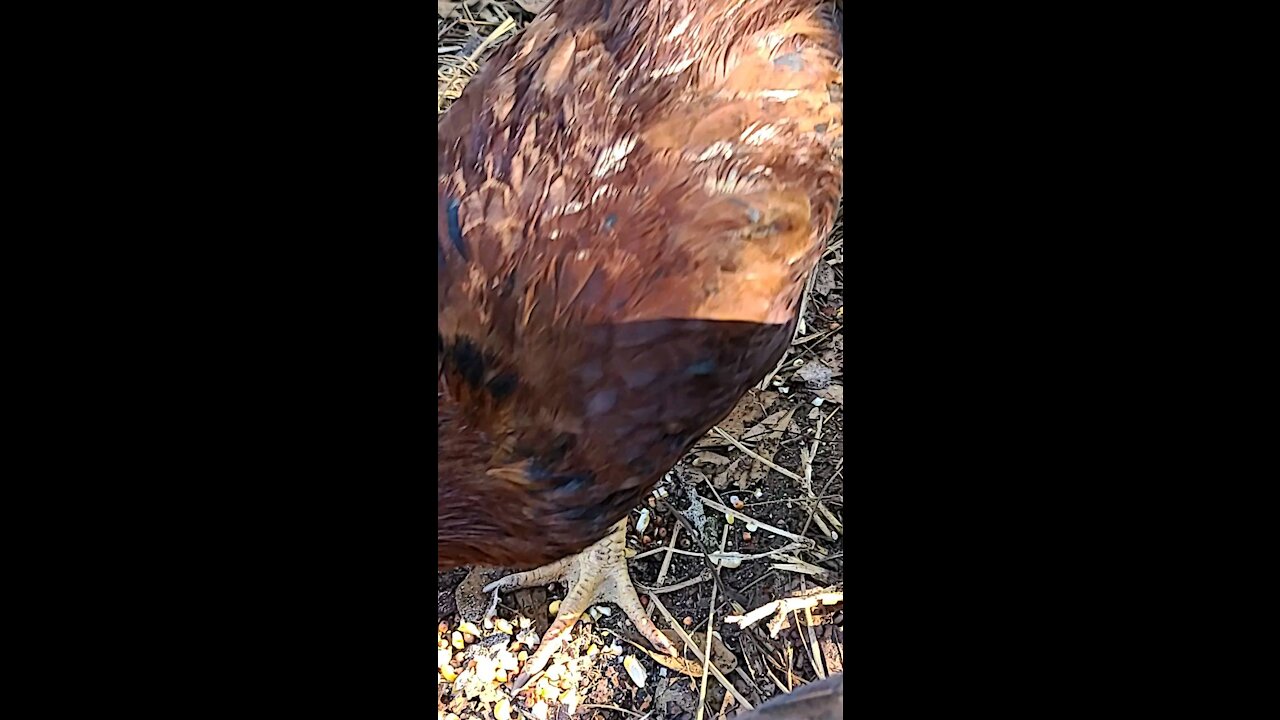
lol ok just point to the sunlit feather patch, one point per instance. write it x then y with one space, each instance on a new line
672 69
759 134
614 158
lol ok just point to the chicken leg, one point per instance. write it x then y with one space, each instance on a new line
597 574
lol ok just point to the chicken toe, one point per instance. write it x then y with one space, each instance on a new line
597 574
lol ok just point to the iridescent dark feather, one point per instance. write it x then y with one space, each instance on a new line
630 197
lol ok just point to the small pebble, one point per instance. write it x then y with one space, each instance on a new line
746 537
688 621
457 640
817 402
443 628
553 608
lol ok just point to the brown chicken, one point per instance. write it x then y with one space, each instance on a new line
630 197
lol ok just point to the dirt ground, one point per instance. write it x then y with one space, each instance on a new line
796 423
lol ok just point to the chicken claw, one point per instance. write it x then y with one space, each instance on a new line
597 574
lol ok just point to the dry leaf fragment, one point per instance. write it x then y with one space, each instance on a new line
815 375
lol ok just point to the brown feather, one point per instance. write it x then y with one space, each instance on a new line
629 201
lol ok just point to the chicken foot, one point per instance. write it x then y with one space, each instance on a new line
597 574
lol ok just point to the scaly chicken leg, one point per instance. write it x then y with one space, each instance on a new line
597 574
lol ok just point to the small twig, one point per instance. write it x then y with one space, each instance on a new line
698 541
817 511
727 555
711 611
763 525
783 606
830 517
615 707
817 335
790 664
689 644
792 500
505 25
666 563
758 580
835 474
796 565
781 686
756 455
705 576
814 654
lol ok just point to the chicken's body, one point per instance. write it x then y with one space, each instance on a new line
630 197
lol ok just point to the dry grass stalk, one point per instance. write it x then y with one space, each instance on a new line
697 651
753 454
805 542
780 608
711 614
